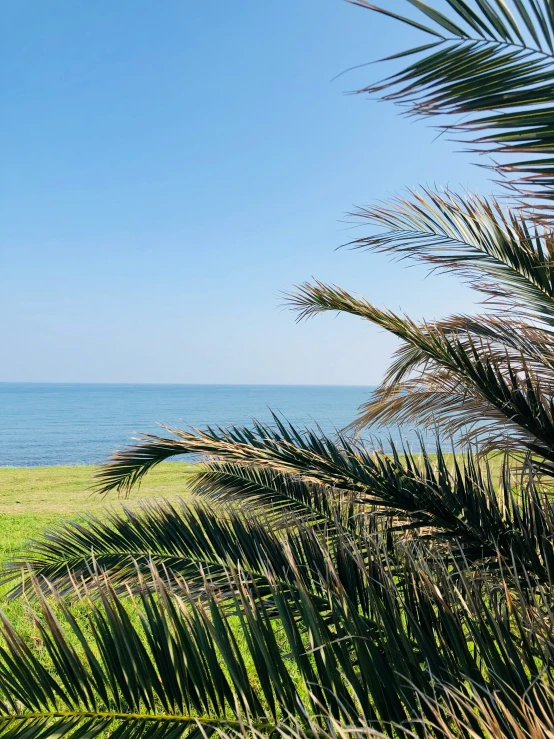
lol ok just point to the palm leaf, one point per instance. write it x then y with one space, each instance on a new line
162 677
494 249
491 66
460 505
418 390
511 390
188 542
509 343
283 500
171 664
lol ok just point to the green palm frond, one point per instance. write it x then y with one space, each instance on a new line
460 504
494 249
490 375
158 676
282 500
171 665
490 65
188 542
183 540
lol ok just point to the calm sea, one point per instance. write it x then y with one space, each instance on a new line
62 424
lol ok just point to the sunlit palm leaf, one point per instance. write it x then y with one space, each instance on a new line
510 390
510 343
281 499
459 504
495 250
170 663
437 403
419 390
491 66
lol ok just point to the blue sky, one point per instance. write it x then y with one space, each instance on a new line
169 168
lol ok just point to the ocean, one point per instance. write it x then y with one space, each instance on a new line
70 424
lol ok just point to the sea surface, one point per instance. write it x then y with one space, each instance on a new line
69 424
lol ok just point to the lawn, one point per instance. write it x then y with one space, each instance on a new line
32 498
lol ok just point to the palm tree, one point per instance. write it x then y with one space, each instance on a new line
316 586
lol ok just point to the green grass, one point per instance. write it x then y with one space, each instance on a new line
32 498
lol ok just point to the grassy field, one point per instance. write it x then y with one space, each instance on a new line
32 498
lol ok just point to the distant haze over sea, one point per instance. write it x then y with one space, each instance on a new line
68 424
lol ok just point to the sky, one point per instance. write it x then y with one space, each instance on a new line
169 169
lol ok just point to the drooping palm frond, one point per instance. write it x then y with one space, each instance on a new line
489 65
172 664
186 541
512 344
500 255
506 389
494 249
418 390
457 501
160 677
471 716
435 401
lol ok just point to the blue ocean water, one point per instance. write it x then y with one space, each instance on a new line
64 424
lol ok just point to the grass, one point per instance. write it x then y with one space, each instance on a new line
32 498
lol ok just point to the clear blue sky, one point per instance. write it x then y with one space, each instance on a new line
167 168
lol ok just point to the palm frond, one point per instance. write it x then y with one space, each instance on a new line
281 500
463 716
184 540
510 343
187 542
490 65
471 715
437 403
418 390
160 677
494 249
460 505
172 665
511 390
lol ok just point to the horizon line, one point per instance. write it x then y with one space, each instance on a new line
187 384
